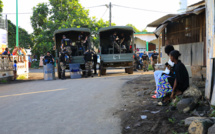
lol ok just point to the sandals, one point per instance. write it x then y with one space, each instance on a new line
154 97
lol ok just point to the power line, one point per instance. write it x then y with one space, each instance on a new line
140 9
96 6
104 13
15 13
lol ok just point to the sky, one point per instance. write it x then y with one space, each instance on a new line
120 16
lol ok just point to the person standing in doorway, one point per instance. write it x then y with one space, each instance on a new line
145 59
154 59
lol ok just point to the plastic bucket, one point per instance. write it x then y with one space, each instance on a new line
49 72
75 71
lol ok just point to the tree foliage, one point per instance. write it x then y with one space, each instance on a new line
48 17
1 6
135 29
24 38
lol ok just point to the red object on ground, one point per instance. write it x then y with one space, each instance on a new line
154 96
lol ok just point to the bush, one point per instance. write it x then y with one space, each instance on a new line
150 67
35 64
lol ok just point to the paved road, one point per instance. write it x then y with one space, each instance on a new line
80 106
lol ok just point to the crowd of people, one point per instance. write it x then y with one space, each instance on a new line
143 61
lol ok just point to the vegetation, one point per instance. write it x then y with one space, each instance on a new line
24 38
48 17
135 29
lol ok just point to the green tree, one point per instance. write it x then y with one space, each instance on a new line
1 6
24 38
135 29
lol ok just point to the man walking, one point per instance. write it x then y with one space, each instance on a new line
145 59
154 59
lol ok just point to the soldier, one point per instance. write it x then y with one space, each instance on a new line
154 59
95 62
88 57
63 59
114 42
145 59
66 44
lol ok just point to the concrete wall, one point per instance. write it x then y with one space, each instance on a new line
191 53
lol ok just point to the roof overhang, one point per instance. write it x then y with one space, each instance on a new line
157 22
163 25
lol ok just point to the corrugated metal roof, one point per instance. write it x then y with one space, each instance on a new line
163 25
160 20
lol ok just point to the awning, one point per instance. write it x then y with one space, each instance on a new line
163 25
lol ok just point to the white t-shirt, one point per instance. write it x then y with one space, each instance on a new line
167 71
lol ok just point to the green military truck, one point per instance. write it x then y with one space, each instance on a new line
110 58
77 45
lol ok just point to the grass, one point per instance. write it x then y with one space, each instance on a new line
172 120
3 81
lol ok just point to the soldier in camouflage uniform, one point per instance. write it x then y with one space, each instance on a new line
88 57
145 59
66 44
63 59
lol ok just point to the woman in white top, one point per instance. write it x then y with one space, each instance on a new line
158 73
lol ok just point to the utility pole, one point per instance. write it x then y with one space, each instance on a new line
110 14
17 27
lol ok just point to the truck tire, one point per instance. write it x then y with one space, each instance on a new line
103 71
130 70
126 70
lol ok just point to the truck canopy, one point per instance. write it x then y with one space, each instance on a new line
72 34
106 43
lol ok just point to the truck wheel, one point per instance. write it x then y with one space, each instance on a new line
103 71
130 70
126 70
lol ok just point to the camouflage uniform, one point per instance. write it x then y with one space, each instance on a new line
88 68
145 59
88 57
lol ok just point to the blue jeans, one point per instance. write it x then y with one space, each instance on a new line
157 75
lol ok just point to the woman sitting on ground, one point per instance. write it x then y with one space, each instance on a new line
181 82
174 83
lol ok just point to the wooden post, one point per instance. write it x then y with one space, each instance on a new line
159 49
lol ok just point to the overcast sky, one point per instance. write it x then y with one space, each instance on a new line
120 16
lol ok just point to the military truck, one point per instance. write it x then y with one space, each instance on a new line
110 58
77 48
